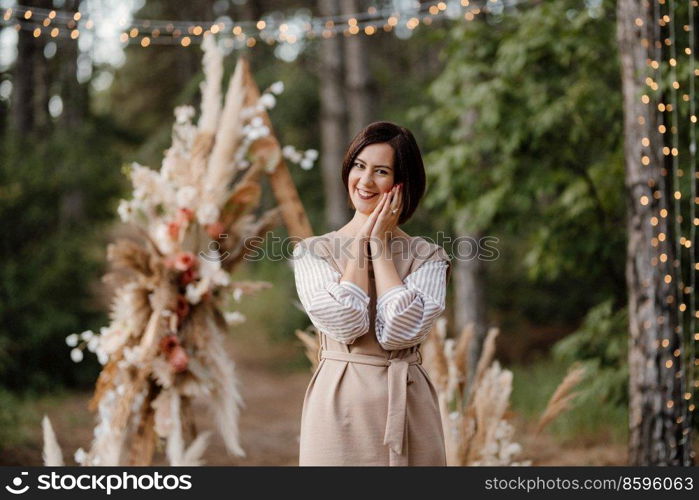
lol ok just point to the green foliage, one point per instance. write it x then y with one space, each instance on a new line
11 418
57 195
524 141
601 345
525 133
534 384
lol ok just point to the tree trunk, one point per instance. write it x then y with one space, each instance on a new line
333 118
469 297
356 75
75 94
469 279
656 405
29 101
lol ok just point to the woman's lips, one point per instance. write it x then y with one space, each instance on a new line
363 197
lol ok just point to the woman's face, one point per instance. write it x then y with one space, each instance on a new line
371 174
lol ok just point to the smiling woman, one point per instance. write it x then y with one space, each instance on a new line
379 158
370 402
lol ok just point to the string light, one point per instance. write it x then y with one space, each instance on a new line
173 32
677 299
691 361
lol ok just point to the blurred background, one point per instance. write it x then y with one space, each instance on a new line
518 113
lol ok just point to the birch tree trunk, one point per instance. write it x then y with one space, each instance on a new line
333 119
655 407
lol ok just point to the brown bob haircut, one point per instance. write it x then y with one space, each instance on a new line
407 162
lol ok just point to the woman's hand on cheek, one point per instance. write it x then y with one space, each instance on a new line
387 221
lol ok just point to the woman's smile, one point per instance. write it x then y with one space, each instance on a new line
365 195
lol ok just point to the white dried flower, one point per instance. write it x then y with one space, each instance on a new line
72 339
234 318
183 114
268 101
311 154
163 239
208 213
306 164
125 210
195 291
288 150
76 355
80 456
92 344
186 196
277 87
87 335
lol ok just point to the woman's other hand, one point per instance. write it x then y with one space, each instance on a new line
387 220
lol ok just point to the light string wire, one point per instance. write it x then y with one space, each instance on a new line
677 196
691 352
151 31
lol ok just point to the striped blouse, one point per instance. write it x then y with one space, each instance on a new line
340 308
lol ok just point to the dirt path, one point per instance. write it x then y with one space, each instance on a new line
270 422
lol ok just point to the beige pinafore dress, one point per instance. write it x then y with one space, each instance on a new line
365 405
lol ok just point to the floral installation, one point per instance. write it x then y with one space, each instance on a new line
164 345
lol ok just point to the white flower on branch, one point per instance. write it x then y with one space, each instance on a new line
76 354
72 340
125 210
268 101
304 159
234 318
277 87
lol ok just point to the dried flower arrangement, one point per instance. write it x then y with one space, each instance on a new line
476 429
164 344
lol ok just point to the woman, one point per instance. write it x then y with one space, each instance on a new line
373 292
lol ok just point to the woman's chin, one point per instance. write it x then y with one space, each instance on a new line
365 206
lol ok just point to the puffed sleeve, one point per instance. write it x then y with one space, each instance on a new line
338 308
405 313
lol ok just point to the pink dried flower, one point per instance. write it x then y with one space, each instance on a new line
184 261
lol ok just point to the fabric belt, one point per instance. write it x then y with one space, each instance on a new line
398 380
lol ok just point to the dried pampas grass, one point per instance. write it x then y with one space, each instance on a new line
475 413
52 455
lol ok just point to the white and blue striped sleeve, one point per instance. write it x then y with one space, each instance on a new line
405 313
338 308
